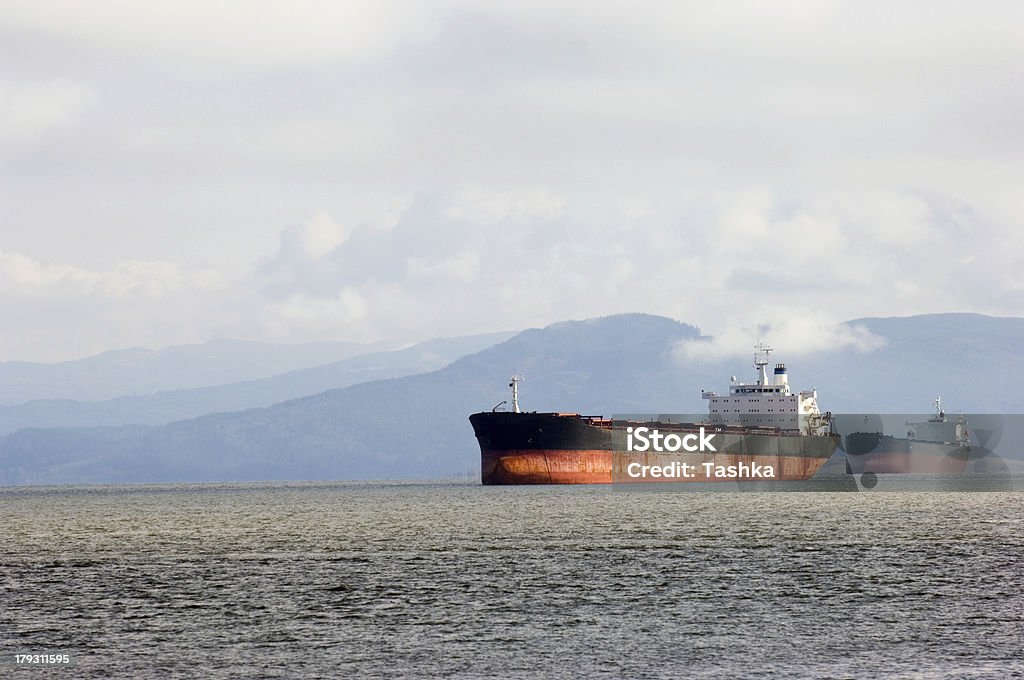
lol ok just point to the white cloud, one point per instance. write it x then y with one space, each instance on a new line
409 170
462 267
63 311
32 109
777 267
302 316
322 234
23 275
478 205
258 33
791 332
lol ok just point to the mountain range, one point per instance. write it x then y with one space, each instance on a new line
167 406
416 426
140 371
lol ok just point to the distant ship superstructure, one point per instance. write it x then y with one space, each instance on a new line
940 429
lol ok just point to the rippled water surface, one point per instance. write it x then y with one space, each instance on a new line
403 580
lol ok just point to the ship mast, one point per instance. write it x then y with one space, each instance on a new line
515 392
761 352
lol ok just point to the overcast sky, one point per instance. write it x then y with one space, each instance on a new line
172 172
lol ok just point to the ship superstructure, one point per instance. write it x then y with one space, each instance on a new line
768 402
939 429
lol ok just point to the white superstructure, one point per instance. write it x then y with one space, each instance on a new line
768 403
940 429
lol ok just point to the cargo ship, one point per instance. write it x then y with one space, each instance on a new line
938 445
755 431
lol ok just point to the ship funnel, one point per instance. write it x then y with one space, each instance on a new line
781 377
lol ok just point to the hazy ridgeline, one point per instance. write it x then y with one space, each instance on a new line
404 414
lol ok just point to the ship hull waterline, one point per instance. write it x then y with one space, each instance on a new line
553 466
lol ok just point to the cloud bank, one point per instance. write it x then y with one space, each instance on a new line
797 332
404 170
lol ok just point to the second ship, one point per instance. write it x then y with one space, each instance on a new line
938 445
760 430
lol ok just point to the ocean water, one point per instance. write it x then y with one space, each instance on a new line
397 580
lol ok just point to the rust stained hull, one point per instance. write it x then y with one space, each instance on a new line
553 466
546 466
